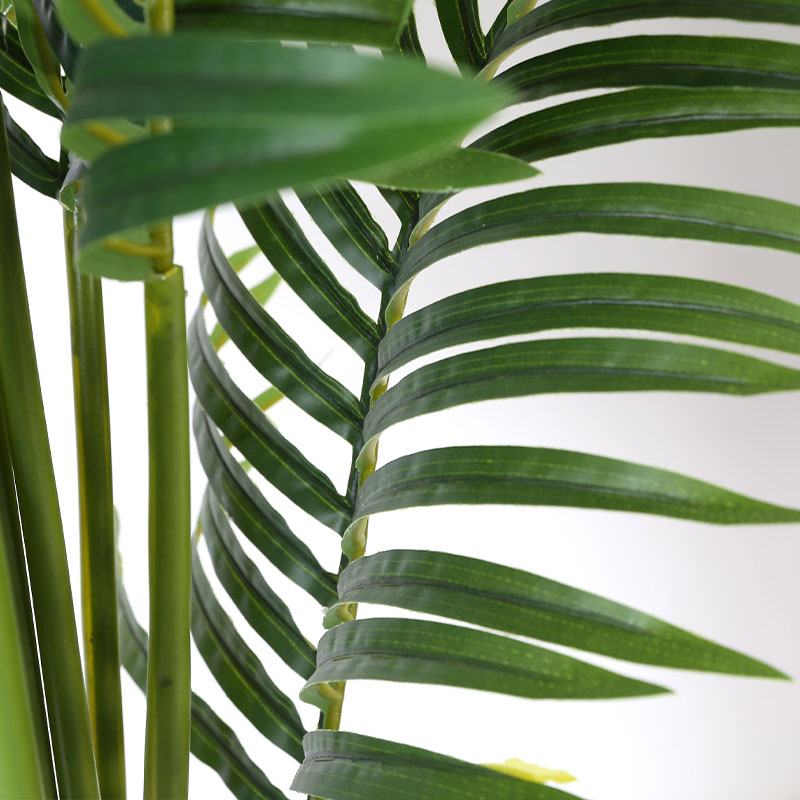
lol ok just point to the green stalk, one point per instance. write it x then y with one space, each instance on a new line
168 664
40 514
21 775
98 582
12 535
168 675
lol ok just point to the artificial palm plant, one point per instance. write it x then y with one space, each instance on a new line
177 107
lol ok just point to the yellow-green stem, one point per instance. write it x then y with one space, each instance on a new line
361 470
96 508
40 515
168 667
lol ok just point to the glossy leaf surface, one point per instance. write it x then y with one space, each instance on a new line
594 300
506 599
574 365
690 61
416 651
542 476
640 209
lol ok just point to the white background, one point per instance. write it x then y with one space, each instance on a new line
718 738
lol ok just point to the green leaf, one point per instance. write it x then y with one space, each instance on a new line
506 599
213 742
368 22
348 224
229 83
280 462
38 53
270 350
261 607
17 76
455 168
691 61
255 517
285 116
29 163
542 476
641 209
461 26
594 300
347 766
63 47
574 365
561 15
238 671
417 651
293 257
641 113
101 19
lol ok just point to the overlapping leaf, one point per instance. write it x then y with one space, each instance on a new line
254 117
418 651
594 300
345 766
511 600
574 365
287 117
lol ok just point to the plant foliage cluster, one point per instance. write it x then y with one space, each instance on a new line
179 106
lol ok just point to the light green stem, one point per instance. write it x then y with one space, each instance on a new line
98 583
168 665
168 669
40 514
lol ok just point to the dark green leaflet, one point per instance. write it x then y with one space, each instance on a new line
280 462
417 651
594 300
64 48
347 766
261 607
461 26
642 209
17 76
270 350
408 43
348 224
641 113
213 742
238 670
559 15
514 601
574 365
691 61
542 476
369 22
293 257
29 163
255 517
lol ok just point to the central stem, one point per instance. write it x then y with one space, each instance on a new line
167 736
359 472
